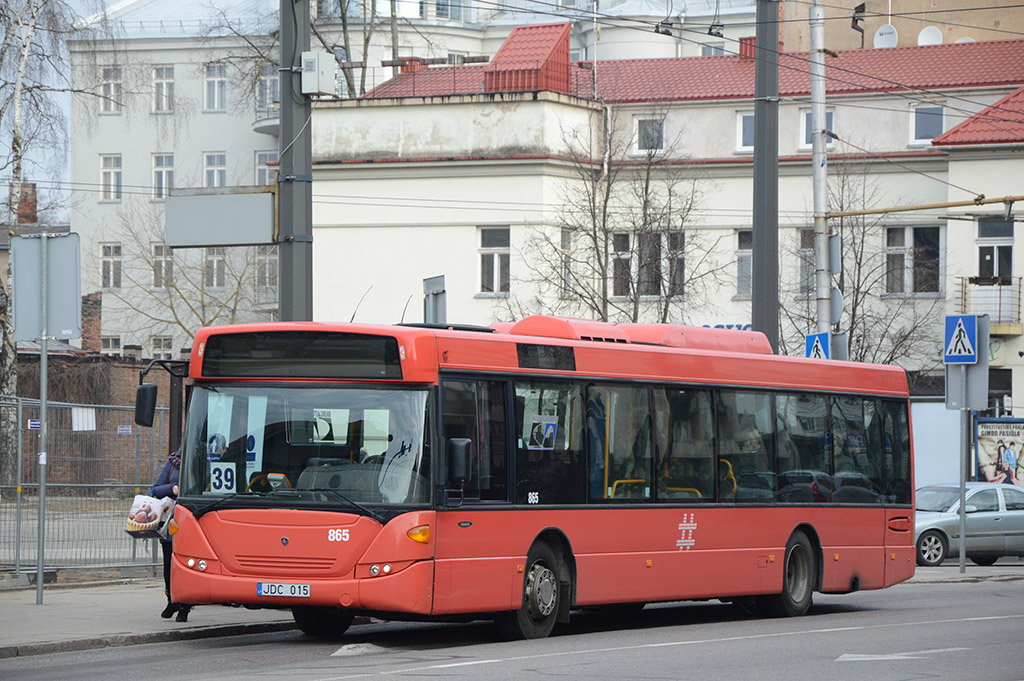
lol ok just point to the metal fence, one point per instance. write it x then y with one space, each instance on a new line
97 460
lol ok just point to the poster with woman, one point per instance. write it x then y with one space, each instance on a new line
998 443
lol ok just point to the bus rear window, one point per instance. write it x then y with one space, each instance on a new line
301 354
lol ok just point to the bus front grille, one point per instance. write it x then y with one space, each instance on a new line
296 565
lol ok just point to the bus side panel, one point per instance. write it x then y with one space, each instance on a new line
652 554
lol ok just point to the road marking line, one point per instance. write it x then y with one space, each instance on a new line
724 639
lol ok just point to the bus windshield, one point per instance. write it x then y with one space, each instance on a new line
339 445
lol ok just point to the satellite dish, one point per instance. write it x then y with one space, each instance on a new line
965 39
886 36
929 35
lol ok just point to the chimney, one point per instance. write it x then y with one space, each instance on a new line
92 307
412 65
747 47
27 205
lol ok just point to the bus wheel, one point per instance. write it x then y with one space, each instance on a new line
536 616
321 622
799 577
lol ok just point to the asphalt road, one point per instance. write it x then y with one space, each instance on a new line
970 631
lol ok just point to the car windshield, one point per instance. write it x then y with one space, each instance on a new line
938 499
338 445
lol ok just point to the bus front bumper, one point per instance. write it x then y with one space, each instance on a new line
409 590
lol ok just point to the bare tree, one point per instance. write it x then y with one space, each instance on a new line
33 71
885 322
623 246
165 293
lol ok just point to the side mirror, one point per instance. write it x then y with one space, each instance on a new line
459 450
970 508
145 404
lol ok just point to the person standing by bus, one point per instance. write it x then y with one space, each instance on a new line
166 485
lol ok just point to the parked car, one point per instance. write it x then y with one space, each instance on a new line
994 516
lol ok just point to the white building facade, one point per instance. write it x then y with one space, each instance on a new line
187 97
468 181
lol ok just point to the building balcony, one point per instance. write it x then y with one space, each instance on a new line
268 121
998 297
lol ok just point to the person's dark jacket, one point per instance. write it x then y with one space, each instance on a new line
165 482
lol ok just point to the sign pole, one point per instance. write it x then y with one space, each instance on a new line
964 453
43 352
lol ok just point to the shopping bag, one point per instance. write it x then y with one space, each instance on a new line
146 515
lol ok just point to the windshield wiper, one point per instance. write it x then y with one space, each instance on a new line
373 514
199 512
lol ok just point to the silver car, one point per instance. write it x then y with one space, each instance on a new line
995 522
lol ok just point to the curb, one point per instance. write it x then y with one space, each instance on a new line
119 640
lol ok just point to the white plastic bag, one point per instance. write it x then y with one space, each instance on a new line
147 514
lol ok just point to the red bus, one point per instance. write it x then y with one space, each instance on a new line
522 471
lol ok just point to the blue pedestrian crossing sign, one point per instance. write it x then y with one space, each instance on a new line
818 345
961 340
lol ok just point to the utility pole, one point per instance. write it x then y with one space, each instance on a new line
295 178
819 173
765 285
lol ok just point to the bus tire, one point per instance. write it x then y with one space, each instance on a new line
799 575
536 617
322 622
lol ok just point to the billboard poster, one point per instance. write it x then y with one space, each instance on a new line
999 444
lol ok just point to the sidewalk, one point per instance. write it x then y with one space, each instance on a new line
86 617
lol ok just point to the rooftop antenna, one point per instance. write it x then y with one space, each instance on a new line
664 27
358 304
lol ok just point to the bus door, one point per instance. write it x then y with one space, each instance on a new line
473 567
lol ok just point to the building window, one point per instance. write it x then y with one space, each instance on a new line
214 270
913 259
744 262
160 347
110 90
745 131
266 266
565 288
163 175
622 265
449 9
807 129
712 49
495 252
649 268
215 169
110 177
268 92
163 266
216 87
110 265
110 345
995 249
163 89
806 286
650 134
676 263
926 123
266 174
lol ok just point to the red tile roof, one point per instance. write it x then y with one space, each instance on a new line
1001 123
531 58
955 65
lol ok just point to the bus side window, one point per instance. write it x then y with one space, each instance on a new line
683 470
550 468
620 442
476 410
896 452
746 429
